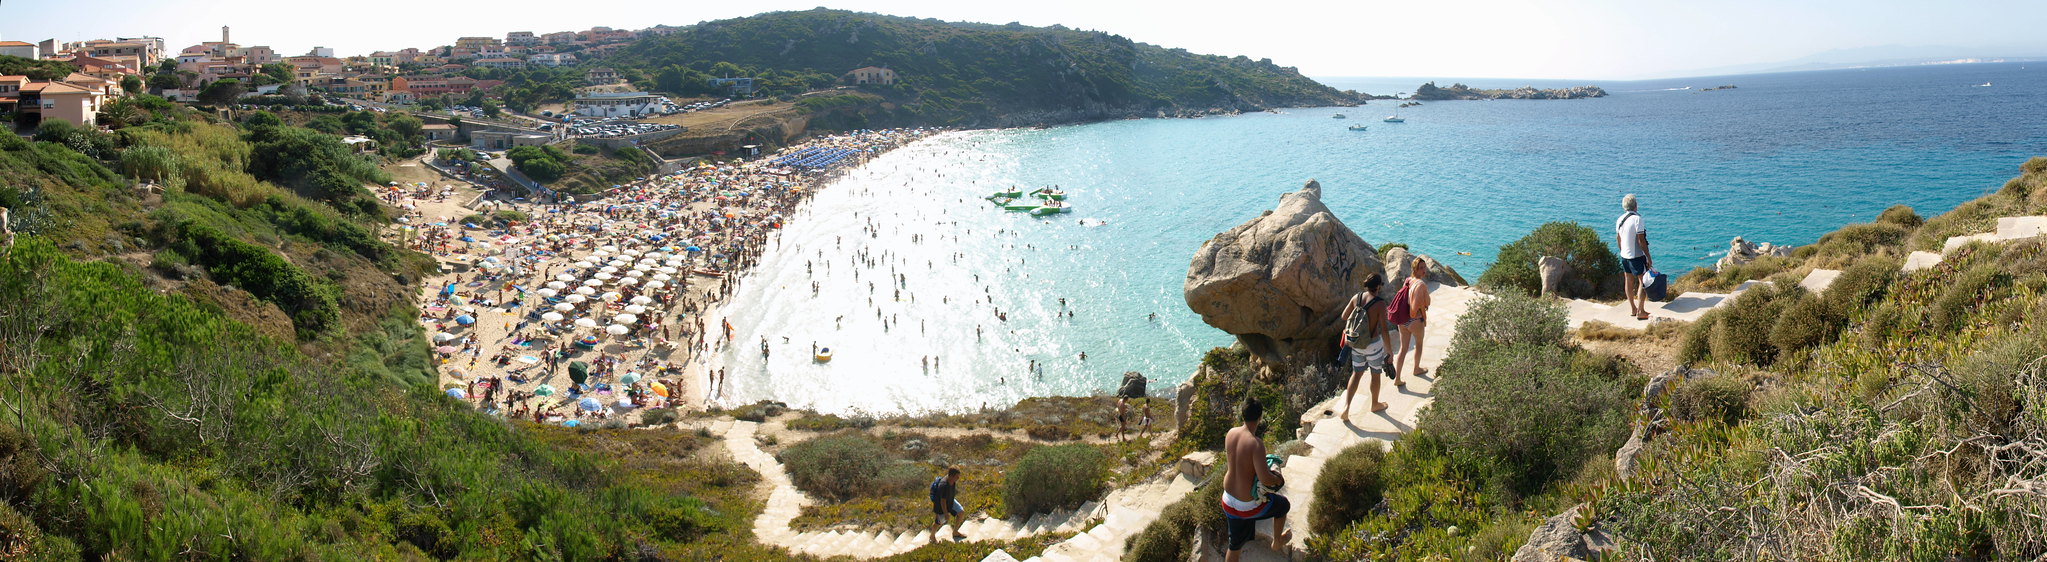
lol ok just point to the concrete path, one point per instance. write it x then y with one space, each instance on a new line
785 502
2009 229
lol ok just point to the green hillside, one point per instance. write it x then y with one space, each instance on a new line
968 73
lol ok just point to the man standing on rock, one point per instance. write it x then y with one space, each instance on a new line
1243 504
1633 241
945 503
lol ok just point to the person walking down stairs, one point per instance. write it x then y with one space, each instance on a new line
945 502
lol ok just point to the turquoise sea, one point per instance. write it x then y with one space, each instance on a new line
1782 158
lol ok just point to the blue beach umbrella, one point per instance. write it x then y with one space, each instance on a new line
457 394
694 249
469 239
465 320
590 404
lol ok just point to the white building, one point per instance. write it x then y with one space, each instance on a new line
621 104
552 59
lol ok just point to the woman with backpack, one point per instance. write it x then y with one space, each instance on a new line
1367 332
1409 313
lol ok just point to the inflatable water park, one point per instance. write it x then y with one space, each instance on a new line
1039 202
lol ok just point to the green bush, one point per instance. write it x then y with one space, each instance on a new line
1857 240
1389 246
1806 322
1722 398
1583 248
1170 538
1054 477
1511 318
1742 334
1348 488
839 467
1527 411
1900 215
586 149
1860 285
1951 311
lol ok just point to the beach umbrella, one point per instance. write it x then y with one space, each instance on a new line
577 298
543 390
593 282
694 249
465 320
565 278
579 372
660 389
557 285
672 263
602 276
635 273
611 297
616 330
669 270
590 404
443 336
629 378
458 301
626 318
629 281
608 248
457 394
586 323
662 277
655 284
563 307
635 309
585 291
642 299
608 269
548 292
446 349
585 263
551 317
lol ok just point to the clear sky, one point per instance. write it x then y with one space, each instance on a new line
1594 39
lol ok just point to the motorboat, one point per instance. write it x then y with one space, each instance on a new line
1356 127
1394 119
1338 116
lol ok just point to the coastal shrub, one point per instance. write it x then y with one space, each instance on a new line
839 467
1348 488
585 149
1592 262
1511 318
1742 334
1860 285
1526 411
1861 239
1054 477
1722 398
1952 309
1900 215
1225 379
1806 322
1388 247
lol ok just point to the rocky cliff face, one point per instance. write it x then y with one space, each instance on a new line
1279 281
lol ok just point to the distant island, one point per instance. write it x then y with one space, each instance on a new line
1431 92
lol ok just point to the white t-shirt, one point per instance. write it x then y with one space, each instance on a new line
1628 226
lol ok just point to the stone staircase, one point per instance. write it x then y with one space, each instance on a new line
2009 229
1686 307
785 502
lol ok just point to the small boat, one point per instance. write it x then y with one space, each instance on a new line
1983 85
1338 116
823 355
1394 119
709 272
1356 127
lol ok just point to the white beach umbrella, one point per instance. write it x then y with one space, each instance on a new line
602 276
635 273
617 330
565 277
565 307
608 248
634 308
551 317
626 319
557 285
655 284
585 264
642 299
584 292
632 252
577 298
585 323
668 270
611 297
608 269
662 277
672 262
592 282
629 281
548 292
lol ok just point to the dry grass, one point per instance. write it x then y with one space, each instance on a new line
1657 331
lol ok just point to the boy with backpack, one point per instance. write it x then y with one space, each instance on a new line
1366 331
945 502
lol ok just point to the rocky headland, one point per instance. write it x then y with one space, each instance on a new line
1432 92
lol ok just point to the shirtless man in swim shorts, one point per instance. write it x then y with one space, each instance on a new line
1243 505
